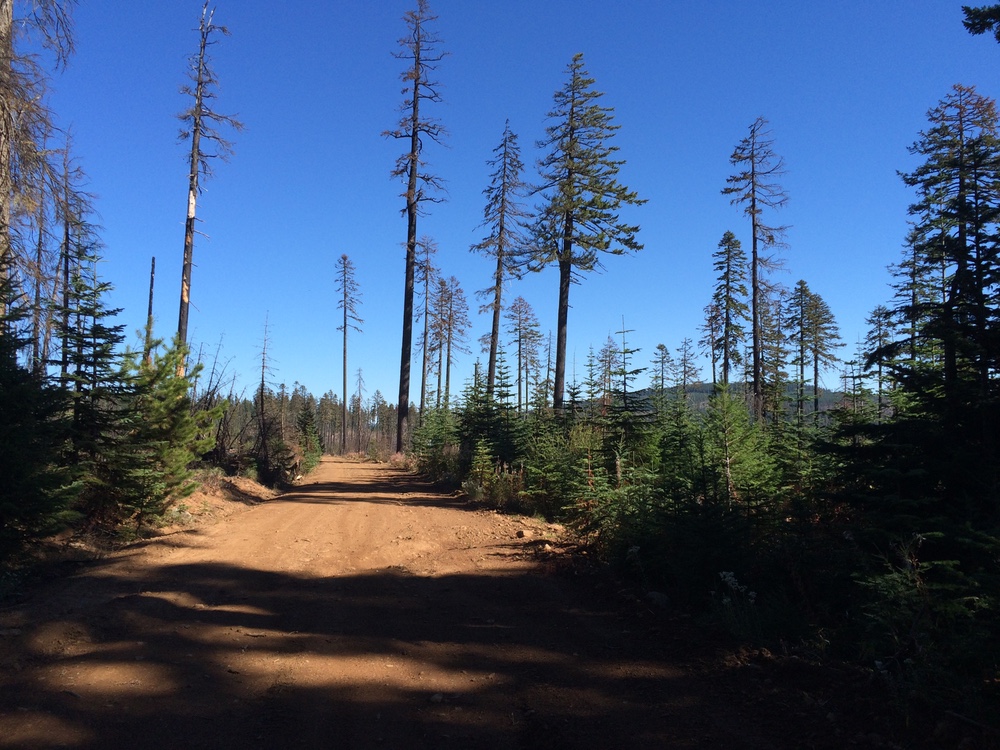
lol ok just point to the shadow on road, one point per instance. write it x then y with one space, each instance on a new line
387 659
387 486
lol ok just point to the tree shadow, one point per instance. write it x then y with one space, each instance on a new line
213 655
388 486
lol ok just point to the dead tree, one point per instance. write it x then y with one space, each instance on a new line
201 127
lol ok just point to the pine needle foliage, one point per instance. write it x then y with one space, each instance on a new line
578 220
36 490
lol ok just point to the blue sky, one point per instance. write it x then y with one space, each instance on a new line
845 86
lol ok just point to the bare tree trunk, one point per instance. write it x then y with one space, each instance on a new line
440 373
424 356
757 387
565 278
418 46
403 413
491 373
147 348
521 372
7 129
447 359
192 202
201 122
36 315
64 369
343 426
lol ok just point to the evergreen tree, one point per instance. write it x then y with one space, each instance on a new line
523 326
687 373
729 299
823 339
710 334
478 421
878 338
309 437
609 360
113 469
510 439
348 303
774 359
924 480
919 288
663 369
35 492
166 427
743 469
682 477
420 50
755 188
503 216
979 20
426 277
955 227
628 414
578 220
449 331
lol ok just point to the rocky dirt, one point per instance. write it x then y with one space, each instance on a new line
365 610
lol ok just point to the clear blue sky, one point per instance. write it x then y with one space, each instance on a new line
845 86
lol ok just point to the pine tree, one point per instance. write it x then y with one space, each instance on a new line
35 492
578 220
710 335
774 359
112 468
628 415
687 373
924 479
730 301
823 340
449 331
919 289
955 226
663 375
426 276
879 336
309 436
166 426
420 49
523 326
949 302
755 188
503 216
509 442
979 20
348 303
478 422
743 468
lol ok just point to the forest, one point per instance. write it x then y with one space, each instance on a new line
859 524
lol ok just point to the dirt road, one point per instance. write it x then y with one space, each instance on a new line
365 611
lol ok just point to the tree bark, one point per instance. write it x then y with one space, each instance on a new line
406 348
565 279
147 348
192 202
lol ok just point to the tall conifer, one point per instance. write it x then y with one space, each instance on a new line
420 50
578 220
755 188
